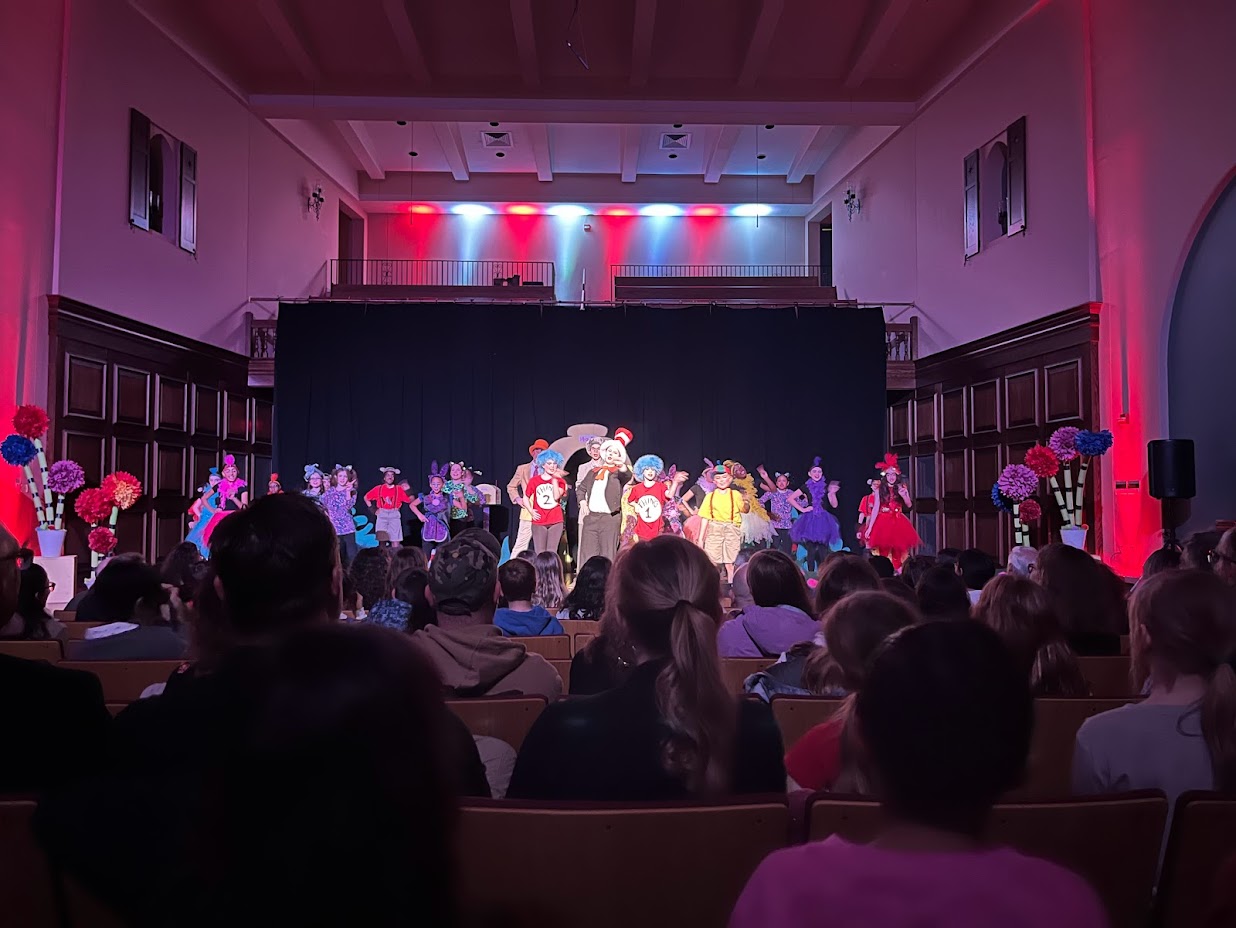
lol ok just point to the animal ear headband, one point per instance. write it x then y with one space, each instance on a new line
435 471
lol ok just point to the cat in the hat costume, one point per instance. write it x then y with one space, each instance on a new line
889 532
602 489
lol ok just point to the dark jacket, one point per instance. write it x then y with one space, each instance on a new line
598 667
144 643
609 747
614 484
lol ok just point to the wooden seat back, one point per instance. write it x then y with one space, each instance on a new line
507 718
580 640
550 647
48 650
575 626
1203 838
1049 768
564 671
797 715
735 670
1108 676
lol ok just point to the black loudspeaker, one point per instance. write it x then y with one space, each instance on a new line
1171 468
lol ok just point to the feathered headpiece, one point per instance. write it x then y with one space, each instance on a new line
229 460
274 478
815 461
888 464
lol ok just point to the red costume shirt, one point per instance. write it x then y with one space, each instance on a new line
391 497
541 492
648 503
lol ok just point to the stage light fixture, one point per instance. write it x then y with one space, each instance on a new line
660 209
705 211
471 209
567 211
617 211
522 209
752 209
422 209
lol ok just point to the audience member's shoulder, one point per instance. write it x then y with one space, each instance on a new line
40 677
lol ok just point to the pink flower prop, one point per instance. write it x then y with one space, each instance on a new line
123 488
1063 441
101 540
1043 461
1017 482
30 421
1029 511
65 477
93 505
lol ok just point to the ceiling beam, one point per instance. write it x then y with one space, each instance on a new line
719 153
276 14
356 137
874 39
525 41
538 136
630 153
761 41
405 36
452 148
641 41
817 150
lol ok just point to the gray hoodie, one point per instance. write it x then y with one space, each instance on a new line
477 660
765 631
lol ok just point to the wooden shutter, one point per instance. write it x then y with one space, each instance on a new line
188 198
139 170
972 203
1017 176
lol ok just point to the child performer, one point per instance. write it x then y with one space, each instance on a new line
338 500
315 483
674 479
818 530
783 502
436 506
389 499
601 489
647 499
273 487
757 527
721 521
889 532
476 508
233 495
462 496
203 508
544 501
864 512
593 446
517 490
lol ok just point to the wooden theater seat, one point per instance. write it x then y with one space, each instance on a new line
735 670
575 626
27 895
1111 841
507 718
32 650
797 715
663 866
123 681
1203 838
65 615
564 671
1108 676
550 647
1056 721
77 630
580 640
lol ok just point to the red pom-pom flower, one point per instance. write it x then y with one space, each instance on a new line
1043 461
93 505
30 421
123 488
1029 510
101 540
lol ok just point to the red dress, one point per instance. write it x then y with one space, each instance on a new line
891 533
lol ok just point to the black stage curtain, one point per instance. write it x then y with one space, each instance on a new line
403 384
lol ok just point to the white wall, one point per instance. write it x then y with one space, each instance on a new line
612 240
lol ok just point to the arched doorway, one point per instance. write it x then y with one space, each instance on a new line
1201 352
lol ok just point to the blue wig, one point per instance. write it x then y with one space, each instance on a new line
547 456
646 461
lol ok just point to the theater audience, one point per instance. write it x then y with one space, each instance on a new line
113 602
780 616
139 627
1023 561
882 566
470 653
370 572
1224 558
672 730
1159 561
550 591
587 598
913 568
396 610
895 586
177 568
943 724
853 630
1198 550
408 556
976 568
1020 612
520 616
840 575
605 661
1182 736
55 723
30 620
948 557
1087 597
942 595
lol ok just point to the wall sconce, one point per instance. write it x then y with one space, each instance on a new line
316 200
853 205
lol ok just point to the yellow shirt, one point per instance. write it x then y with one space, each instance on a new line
722 506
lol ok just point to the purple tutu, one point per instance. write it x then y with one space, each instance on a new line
818 526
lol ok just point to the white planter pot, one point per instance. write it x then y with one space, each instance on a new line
51 541
1074 535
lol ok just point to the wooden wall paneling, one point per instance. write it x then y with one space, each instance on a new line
985 468
985 407
953 469
989 531
171 470
173 396
237 424
1021 399
85 387
263 422
953 530
925 418
1064 391
205 411
132 397
169 530
899 424
90 451
953 413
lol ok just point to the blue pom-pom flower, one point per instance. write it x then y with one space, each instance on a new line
18 450
1092 444
999 500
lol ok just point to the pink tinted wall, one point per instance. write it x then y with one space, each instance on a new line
906 245
255 236
1165 147
575 252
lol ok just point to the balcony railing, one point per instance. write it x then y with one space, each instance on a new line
811 271
407 272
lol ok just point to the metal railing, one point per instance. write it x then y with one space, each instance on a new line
715 270
408 272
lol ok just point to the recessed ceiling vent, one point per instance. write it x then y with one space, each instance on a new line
496 140
675 141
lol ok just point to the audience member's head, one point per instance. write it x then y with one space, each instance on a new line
666 596
1161 560
408 556
486 539
913 568
1224 560
895 586
1182 623
274 568
853 629
463 583
948 557
334 701
1196 552
518 581
740 587
177 567
882 566
1023 561
32 603
942 594
130 590
410 586
370 571
1021 613
944 721
1087 596
775 580
587 598
976 568
10 573
840 575
550 581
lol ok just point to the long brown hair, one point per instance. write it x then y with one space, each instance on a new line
1021 613
842 574
775 580
853 629
1184 621
1088 598
667 595
550 582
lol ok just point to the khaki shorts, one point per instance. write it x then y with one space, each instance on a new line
722 541
391 522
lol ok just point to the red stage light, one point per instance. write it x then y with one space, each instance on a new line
422 209
617 211
522 209
705 211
